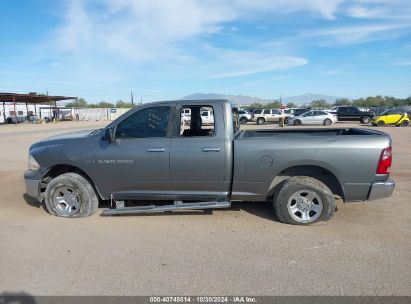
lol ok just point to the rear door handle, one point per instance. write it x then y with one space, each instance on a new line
156 150
211 149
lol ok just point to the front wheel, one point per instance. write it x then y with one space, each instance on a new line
243 120
380 123
405 123
366 119
70 195
304 200
327 122
297 122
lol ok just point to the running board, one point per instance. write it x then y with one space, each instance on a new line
178 205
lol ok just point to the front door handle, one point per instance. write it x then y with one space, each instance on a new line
156 150
211 149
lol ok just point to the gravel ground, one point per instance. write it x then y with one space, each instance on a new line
364 250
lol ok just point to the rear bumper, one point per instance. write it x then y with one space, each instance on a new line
32 180
381 190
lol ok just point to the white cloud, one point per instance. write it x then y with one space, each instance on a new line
251 64
359 33
103 39
138 29
359 11
385 9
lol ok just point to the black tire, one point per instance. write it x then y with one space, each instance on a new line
283 200
76 193
297 122
405 123
286 120
366 119
380 123
327 122
243 120
260 121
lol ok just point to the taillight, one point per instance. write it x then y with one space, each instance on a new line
385 161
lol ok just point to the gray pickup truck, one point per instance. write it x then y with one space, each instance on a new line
155 153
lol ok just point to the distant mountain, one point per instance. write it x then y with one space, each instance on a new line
238 99
308 97
247 100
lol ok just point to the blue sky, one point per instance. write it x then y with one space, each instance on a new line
166 49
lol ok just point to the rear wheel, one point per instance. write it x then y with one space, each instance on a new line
304 200
327 122
70 195
405 123
366 119
260 121
243 120
380 123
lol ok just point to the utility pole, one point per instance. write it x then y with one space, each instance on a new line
132 98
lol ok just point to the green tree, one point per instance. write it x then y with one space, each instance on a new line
81 103
320 104
273 105
256 105
342 102
291 105
105 104
122 104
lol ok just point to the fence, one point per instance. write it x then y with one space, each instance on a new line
94 113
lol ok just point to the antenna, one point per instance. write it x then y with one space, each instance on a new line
132 98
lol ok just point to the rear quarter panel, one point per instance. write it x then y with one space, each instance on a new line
353 159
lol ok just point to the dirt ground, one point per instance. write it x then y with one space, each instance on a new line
364 250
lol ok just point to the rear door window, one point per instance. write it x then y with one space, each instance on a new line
200 122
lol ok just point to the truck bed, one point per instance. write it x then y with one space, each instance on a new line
349 154
308 132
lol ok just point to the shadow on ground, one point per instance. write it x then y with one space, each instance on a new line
260 209
16 298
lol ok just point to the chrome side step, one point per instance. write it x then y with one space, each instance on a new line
178 205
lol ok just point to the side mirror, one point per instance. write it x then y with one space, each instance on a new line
110 134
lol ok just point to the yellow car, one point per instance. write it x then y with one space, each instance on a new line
391 117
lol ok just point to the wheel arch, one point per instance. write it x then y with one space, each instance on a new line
322 174
60 169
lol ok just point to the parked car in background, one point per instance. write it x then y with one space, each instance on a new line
313 117
394 117
207 117
267 115
348 113
291 112
244 116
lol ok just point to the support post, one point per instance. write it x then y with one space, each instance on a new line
4 111
15 112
